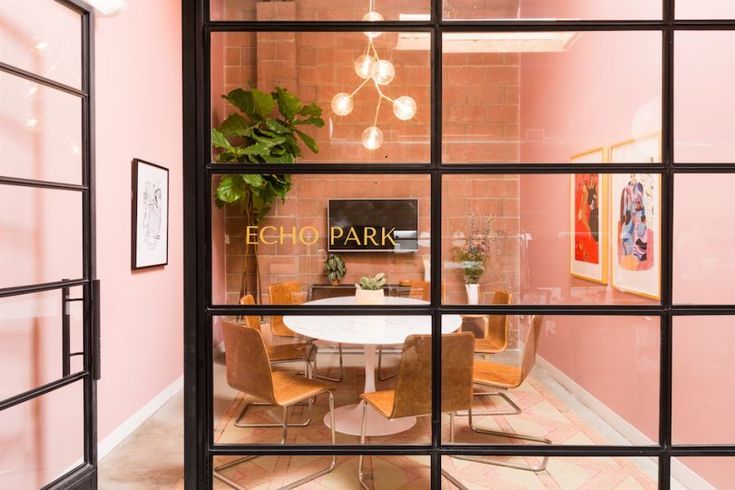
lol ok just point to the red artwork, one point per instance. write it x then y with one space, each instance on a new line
587 218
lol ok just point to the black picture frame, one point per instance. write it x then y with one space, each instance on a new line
157 253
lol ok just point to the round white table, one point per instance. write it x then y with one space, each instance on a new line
369 331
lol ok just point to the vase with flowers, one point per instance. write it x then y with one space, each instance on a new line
473 252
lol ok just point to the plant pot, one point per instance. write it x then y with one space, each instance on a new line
427 269
369 297
336 282
473 293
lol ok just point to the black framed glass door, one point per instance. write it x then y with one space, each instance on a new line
514 104
49 308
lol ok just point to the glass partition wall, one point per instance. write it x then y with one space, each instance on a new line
540 191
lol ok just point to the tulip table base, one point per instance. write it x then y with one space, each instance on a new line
348 419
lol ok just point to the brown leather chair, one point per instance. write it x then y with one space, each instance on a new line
494 327
277 354
503 376
249 371
412 395
286 293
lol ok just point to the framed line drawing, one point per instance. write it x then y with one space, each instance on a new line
636 199
589 251
150 199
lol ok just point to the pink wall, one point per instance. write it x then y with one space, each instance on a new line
616 359
138 70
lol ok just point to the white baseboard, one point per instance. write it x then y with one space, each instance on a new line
134 421
682 474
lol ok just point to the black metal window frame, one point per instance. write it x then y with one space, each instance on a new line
199 170
83 475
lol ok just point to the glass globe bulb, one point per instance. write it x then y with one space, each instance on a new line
372 17
372 138
404 108
342 104
365 66
384 72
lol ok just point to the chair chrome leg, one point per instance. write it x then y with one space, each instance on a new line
361 458
216 472
512 435
515 409
243 425
380 366
453 480
341 369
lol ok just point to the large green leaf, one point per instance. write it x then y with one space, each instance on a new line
308 140
312 110
269 141
276 126
288 104
242 100
314 121
263 103
230 190
253 180
235 125
254 149
219 140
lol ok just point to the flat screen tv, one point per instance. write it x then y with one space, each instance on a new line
373 225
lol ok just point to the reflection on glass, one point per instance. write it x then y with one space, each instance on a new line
49 45
44 238
319 10
552 9
702 472
551 239
568 380
36 430
703 353
544 97
31 327
704 236
363 356
582 472
40 132
703 94
358 98
382 472
373 224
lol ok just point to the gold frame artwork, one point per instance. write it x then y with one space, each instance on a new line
578 268
621 278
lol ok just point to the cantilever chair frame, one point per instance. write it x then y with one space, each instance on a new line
217 470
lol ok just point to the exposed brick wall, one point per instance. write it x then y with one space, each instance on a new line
481 123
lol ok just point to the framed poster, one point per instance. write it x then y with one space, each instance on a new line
589 220
149 215
636 199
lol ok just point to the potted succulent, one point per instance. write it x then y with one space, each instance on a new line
370 290
335 268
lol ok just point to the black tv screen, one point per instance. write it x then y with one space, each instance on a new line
372 225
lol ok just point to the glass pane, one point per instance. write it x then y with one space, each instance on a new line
551 239
373 223
705 9
381 472
546 97
704 97
704 237
43 37
572 380
37 431
694 473
703 352
42 235
561 472
552 9
40 132
317 67
31 339
240 377
319 10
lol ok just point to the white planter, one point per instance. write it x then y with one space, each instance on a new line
473 293
427 269
369 297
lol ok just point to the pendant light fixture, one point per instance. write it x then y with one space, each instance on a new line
371 68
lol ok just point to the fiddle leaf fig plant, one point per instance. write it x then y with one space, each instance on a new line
373 283
335 268
263 131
